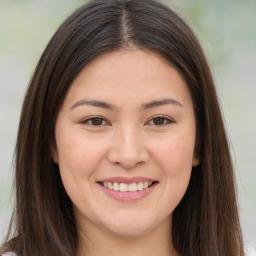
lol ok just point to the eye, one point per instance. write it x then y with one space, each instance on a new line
95 121
160 121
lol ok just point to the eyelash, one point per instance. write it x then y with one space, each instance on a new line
90 120
163 118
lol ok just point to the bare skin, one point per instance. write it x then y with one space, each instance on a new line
155 243
127 116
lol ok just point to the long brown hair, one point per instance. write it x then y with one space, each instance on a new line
206 221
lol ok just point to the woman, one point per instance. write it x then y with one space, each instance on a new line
121 146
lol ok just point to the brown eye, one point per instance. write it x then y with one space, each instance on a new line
160 120
94 121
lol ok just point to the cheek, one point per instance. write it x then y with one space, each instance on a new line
174 155
176 150
79 156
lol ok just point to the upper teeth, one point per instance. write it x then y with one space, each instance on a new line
124 187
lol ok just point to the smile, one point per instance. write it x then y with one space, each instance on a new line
127 189
124 187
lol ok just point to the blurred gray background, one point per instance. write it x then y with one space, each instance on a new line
227 32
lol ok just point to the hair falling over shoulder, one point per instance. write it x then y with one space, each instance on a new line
206 221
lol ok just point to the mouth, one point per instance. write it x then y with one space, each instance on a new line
128 187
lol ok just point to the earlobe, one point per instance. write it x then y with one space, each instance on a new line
54 153
197 155
196 159
196 162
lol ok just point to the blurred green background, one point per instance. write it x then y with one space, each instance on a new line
227 32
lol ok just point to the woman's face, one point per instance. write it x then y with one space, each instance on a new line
127 123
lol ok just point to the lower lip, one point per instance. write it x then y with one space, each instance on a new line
128 196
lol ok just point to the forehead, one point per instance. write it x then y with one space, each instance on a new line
133 75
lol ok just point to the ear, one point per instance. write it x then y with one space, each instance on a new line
197 155
195 161
196 158
54 153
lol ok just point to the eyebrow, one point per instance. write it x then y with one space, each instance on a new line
101 104
94 103
158 103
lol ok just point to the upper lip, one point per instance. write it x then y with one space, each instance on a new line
127 180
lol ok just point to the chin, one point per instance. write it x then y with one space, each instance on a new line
131 227
130 231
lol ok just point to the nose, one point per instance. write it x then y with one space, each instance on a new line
128 149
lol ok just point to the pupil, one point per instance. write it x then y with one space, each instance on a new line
158 121
97 121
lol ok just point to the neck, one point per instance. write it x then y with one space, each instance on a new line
103 243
